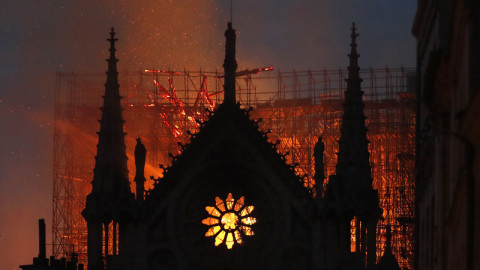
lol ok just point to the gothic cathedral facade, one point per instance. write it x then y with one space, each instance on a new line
229 200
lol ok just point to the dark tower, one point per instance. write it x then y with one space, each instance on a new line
350 193
110 202
230 66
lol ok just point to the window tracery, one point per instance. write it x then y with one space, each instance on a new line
229 221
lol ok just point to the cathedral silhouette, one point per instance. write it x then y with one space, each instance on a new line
229 200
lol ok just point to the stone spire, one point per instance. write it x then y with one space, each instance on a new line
110 185
353 164
111 172
349 193
230 65
111 198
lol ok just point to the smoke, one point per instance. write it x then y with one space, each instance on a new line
42 37
48 36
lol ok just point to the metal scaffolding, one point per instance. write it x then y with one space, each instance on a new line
297 107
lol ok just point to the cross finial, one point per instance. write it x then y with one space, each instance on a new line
354 34
112 39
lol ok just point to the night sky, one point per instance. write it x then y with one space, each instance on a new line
39 38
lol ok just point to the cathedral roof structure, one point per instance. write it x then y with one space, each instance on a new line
229 157
232 140
229 141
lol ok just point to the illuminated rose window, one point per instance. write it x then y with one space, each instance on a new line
229 221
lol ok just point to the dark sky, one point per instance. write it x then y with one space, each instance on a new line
39 38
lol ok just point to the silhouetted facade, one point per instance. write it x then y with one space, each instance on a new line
448 126
229 200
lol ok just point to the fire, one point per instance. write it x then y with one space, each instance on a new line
162 71
162 122
353 235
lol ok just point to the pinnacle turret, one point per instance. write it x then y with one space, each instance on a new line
349 193
352 183
110 180
353 155
111 200
230 65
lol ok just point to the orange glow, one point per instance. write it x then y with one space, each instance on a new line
248 72
210 221
353 236
219 204
213 230
246 211
162 71
229 201
162 122
229 221
239 204
219 239
224 221
212 211
249 221
229 242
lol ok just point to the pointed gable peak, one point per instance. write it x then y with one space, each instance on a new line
231 140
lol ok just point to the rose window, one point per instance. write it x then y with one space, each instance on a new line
229 221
